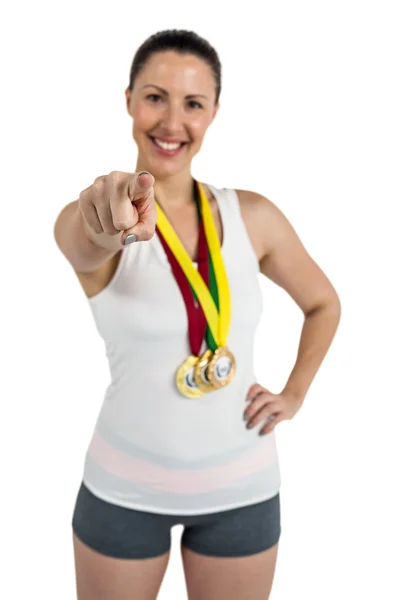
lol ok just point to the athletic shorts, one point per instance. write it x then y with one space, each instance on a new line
129 533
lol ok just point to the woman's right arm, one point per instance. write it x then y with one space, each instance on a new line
89 231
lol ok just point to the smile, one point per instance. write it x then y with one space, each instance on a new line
167 149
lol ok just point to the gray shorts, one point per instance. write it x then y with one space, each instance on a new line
126 533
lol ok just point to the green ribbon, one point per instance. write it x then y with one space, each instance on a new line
212 279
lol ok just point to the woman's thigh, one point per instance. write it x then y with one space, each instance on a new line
237 578
101 577
120 553
232 554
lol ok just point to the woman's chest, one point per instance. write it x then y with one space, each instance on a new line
147 303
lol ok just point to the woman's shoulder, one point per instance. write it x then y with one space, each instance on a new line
252 208
264 220
248 200
254 201
260 209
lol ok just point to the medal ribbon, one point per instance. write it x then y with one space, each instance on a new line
218 323
197 323
212 284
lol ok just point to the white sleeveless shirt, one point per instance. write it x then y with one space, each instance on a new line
152 448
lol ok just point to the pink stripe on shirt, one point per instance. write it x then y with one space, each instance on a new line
141 472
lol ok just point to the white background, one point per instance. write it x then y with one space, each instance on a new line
310 119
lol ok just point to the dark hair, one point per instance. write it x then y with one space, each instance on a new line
181 41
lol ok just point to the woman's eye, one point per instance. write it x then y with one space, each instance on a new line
153 97
156 97
194 104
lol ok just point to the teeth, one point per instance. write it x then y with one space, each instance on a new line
166 146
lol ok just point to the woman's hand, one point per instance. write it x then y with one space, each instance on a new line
269 407
120 203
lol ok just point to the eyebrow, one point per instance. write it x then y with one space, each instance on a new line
166 93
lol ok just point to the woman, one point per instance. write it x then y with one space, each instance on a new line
170 268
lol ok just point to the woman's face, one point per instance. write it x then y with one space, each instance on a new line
172 105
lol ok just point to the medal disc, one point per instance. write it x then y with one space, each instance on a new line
200 372
222 367
185 380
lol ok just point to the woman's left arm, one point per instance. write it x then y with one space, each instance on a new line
286 262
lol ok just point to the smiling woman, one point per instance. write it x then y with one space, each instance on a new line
178 311
172 102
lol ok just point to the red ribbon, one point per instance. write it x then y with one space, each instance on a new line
197 323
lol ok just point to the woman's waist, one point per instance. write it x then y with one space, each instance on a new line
144 386
156 435
138 405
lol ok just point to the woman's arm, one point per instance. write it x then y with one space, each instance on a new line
285 261
86 251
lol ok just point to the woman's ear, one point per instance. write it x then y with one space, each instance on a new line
216 109
128 96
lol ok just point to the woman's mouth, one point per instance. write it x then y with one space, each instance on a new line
167 148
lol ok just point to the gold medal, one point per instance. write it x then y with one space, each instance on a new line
185 380
200 372
221 368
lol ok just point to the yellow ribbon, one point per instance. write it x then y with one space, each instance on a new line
219 269
218 323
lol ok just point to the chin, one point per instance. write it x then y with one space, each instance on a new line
164 168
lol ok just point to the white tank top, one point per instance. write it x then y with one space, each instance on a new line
152 448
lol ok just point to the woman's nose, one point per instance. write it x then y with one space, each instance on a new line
173 119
